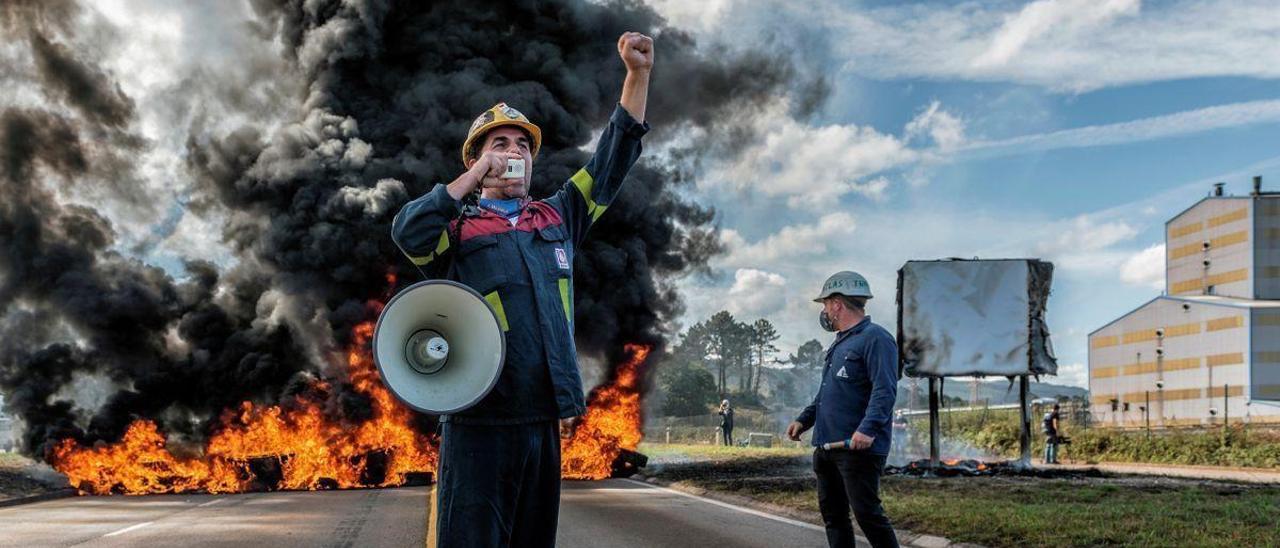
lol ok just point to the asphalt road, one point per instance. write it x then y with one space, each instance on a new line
376 517
613 513
625 514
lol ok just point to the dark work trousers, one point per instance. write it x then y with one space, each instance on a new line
499 485
727 433
851 479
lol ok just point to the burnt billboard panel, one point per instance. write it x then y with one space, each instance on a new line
975 317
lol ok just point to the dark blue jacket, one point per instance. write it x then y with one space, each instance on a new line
525 272
859 387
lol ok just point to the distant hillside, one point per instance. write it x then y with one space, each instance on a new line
995 392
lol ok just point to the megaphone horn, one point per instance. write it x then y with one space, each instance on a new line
439 347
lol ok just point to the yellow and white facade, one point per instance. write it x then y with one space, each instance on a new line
1210 347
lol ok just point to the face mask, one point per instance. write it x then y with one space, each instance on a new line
825 321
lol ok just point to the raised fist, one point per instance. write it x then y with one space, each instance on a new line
636 51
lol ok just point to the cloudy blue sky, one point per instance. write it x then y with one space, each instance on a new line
1063 129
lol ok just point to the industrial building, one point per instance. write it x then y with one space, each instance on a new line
1208 349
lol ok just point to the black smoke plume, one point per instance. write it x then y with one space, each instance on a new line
388 89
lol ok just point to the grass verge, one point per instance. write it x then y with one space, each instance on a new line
1016 511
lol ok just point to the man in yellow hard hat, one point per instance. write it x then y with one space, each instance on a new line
499 472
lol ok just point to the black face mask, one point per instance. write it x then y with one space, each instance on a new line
825 321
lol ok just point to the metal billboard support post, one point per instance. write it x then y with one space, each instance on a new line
1024 441
934 434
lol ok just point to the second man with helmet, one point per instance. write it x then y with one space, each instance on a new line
852 413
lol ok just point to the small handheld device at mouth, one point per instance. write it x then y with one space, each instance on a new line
515 169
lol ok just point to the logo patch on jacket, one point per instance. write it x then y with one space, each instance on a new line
842 373
562 258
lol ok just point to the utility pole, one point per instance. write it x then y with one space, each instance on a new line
1225 414
1146 411
1137 366
1160 376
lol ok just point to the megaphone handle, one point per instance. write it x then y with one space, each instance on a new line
455 239
836 445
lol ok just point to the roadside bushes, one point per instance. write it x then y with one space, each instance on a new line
1252 446
1238 447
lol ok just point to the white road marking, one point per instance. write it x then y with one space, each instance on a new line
757 513
210 503
127 529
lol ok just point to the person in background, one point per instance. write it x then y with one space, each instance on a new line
1052 434
726 423
900 433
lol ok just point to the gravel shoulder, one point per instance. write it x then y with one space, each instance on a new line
21 477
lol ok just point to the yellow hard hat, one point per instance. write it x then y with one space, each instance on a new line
501 115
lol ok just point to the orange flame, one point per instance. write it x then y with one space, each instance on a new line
612 423
312 449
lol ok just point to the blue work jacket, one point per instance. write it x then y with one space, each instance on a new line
525 272
859 388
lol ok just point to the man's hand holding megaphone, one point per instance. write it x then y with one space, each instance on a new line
487 172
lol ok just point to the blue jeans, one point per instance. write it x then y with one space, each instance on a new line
1051 450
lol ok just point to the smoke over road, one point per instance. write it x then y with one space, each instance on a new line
374 98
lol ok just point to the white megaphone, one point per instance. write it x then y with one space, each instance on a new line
439 347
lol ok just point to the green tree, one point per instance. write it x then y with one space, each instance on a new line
808 356
688 390
729 348
694 346
761 335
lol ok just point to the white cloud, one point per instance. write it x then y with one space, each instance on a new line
1087 233
1045 45
698 16
1072 374
1145 268
1085 243
1064 45
812 165
945 129
788 244
756 293
873 189
1047 17
1145 129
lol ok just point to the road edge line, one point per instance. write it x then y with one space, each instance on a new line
52 495
743 509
